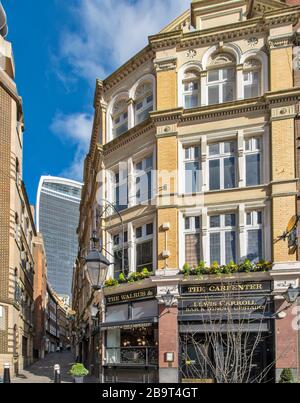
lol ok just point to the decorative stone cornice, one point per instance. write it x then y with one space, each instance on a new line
165 64
282 41
128 137
135 62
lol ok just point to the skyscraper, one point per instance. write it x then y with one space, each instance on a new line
57 211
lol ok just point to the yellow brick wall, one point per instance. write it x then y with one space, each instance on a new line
283 149
281 62
169 215
166 90
167 161
283 208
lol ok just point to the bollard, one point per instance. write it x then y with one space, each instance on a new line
6 375
57 377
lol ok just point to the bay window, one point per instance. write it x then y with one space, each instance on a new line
192 168
222 165
144 247
253 161
192 240
220 85
254 236
143 180
222 238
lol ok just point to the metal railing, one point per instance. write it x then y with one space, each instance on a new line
132 355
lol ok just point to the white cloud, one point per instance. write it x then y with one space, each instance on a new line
75 129
109 32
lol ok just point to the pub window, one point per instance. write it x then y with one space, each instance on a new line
120 245
143 180
192 240
253 161
254 235
144 247
222 165
222 238
192 169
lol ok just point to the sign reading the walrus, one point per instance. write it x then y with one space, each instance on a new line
130 296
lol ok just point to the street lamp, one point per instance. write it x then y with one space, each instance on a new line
97 266
292 294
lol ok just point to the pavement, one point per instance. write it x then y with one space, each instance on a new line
43 371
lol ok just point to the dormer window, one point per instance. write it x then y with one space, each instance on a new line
143 102
191 89
120 118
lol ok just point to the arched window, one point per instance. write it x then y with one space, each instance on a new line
221 79
191 89
143 102
252 78
120 117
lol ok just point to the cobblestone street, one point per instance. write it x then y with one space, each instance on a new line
42 371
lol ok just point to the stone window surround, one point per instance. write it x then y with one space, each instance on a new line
239 136
241 211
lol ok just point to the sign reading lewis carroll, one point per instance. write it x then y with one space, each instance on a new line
131 296
226 288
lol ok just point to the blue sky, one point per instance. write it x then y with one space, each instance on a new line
60 47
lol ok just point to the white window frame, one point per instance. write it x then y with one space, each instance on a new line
221 157
123 118
192 230
253 150
146 105
250 81
221 82
191 159
191 91
255 225
222 230
143 239
119 246
139 174
114 187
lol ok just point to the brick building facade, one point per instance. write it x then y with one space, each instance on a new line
193 143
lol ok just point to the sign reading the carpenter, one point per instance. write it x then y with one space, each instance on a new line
226 288
130 296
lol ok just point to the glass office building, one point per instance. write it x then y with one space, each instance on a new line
57 210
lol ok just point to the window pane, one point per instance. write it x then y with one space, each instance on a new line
214 149
144 256
196 152
215 221
138 232
191 101
192 177
254 245
229 173
230 246
251 91
230 220
197 222
192 249
214 175
213 75
118 261
229 147
249 218
149 229
259 217
213 94
215 251
228 92
253 170
187 223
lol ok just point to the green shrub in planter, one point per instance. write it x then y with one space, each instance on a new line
78 370
122 278
286 376
111 282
